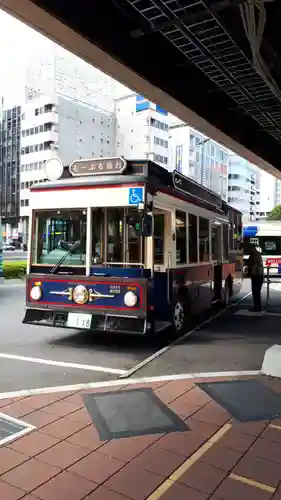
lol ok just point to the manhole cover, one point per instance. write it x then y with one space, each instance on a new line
129 413
12 428
245 400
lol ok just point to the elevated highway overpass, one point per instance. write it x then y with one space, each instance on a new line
216 64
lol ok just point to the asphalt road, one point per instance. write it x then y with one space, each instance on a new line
15 255
36 357
60 345
233 341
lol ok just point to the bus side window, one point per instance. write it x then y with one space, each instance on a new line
216 242
225 240
192 237
181 242
204 251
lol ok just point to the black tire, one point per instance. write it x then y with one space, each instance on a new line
226 293
180 316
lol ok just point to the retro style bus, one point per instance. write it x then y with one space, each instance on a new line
127 246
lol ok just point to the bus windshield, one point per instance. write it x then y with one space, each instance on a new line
55 233
115 235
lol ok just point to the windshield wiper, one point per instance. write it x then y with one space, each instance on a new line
59 263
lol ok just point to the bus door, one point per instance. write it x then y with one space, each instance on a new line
216 256
160 259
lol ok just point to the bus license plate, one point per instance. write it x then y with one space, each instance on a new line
75 320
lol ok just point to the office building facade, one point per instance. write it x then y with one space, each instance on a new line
54 70
244 187
200 158
142 129
53 126
10 137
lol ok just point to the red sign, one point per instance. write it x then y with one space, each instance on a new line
273 260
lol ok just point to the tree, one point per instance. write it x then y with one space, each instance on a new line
275 214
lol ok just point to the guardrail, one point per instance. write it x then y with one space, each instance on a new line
269 279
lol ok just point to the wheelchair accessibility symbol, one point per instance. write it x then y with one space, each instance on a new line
135 195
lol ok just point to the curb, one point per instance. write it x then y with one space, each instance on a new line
272 362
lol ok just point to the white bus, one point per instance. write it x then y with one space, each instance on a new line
1 253
266 237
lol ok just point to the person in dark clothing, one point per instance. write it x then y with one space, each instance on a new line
255 273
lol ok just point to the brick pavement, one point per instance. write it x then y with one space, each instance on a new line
217 459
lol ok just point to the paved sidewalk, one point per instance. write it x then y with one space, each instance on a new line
63 458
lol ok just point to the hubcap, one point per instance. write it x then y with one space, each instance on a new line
178 316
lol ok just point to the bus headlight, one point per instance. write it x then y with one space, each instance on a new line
80 294
130 299
35 293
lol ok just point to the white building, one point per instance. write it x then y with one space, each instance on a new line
55 126
244 184
198 157
53 69
268 193
142 129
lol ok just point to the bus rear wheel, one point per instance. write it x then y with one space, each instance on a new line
180 317
226 293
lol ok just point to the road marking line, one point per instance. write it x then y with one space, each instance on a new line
274 426
62 364
244 312
178 341
251 482
178 473
123 382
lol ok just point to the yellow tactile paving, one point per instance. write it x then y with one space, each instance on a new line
177 474
251 482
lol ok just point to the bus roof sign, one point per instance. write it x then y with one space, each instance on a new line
191 188
97 166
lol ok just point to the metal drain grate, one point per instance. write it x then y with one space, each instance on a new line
245 400
130 413
12 428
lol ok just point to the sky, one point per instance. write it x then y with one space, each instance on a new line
17 43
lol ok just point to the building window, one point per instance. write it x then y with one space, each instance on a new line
192 236
204 251
181 239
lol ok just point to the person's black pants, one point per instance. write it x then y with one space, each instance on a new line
257 282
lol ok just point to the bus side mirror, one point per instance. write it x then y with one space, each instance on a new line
146 225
